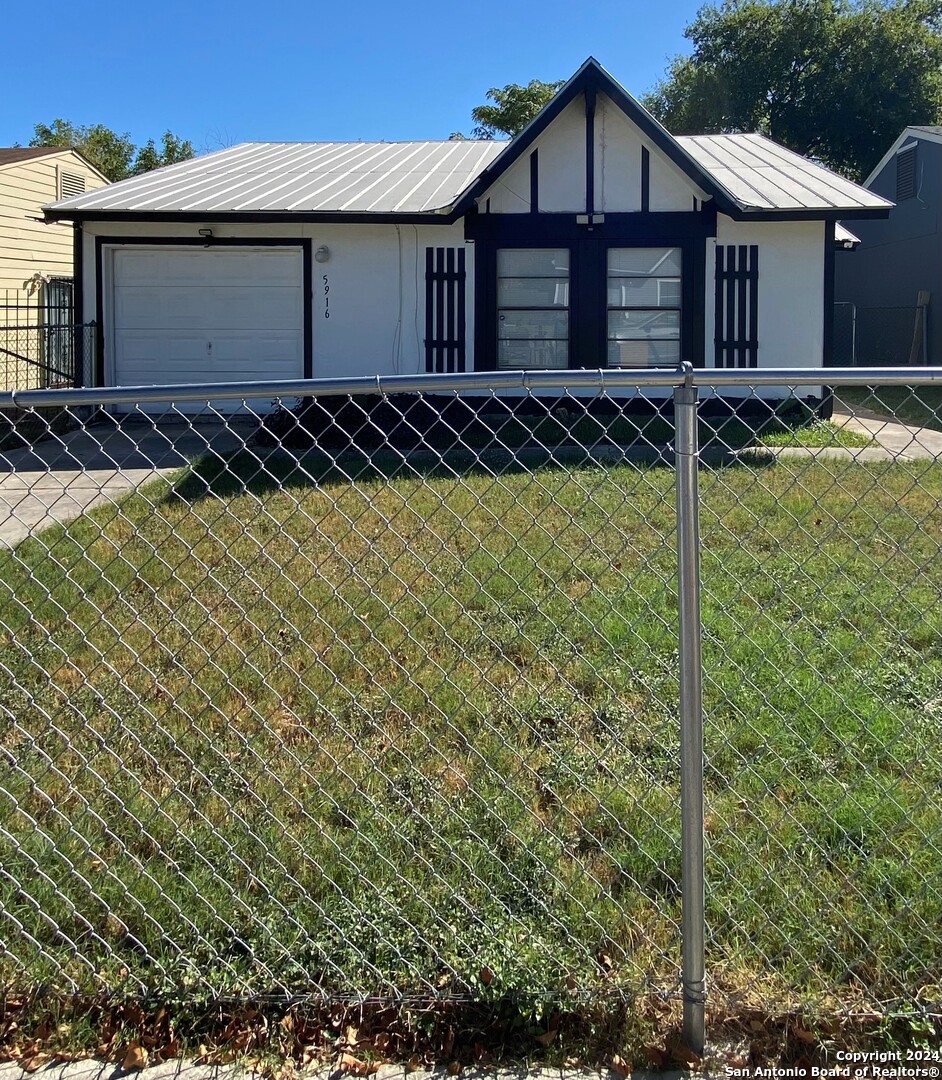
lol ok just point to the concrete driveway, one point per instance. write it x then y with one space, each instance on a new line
902 442
61 477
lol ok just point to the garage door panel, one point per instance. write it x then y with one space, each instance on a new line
198 266
203 315
274 347
178 357
142 307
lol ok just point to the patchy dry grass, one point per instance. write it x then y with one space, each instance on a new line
263 733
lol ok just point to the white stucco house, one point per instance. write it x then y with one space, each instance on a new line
592 239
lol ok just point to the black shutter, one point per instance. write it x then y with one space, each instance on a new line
444 309
736 326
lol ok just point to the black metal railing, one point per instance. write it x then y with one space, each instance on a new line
45 357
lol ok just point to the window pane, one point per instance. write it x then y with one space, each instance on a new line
532 354
533 324
533 262
644 262
643 292
532 292
643 353
634 325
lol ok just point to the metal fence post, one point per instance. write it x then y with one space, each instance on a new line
686 461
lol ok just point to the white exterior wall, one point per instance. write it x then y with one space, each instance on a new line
791 293
376 275
791 288
561 157
561 161
618 145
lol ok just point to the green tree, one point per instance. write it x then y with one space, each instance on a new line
836 80
115 155
513 108
172 150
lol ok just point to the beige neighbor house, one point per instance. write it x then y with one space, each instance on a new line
36 262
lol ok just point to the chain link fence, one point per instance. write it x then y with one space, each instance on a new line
879 336
372 692
38 357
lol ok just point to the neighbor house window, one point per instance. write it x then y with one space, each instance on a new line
533 308
643 307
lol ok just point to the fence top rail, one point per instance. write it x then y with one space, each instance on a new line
602 380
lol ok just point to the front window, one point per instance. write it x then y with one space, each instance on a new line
643 307
533 308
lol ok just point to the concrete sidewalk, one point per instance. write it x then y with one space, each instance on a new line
188 1070
903 442
63 476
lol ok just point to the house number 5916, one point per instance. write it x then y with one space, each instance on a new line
326 298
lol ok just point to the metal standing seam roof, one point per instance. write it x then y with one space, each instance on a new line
762 175
358 177
428 177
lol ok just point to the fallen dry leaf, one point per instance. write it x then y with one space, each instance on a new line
34 1062
169 1051
486 976
803 1034
135 1058
619 1066
348 1065
656 1056
448 1043
684 1055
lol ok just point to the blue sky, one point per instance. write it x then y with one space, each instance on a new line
225 72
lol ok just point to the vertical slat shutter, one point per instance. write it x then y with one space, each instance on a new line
736 335
444 309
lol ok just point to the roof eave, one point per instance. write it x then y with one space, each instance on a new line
820 214
445 216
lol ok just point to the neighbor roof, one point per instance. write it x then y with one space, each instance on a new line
9 155
746 174
13 155
914 131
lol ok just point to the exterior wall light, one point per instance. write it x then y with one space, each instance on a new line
322 254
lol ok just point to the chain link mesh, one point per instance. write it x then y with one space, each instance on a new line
376 696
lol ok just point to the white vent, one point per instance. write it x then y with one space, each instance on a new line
71 184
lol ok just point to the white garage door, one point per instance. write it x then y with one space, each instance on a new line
186 315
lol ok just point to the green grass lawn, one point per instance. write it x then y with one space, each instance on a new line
789 423
260 732
920 405
817 433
